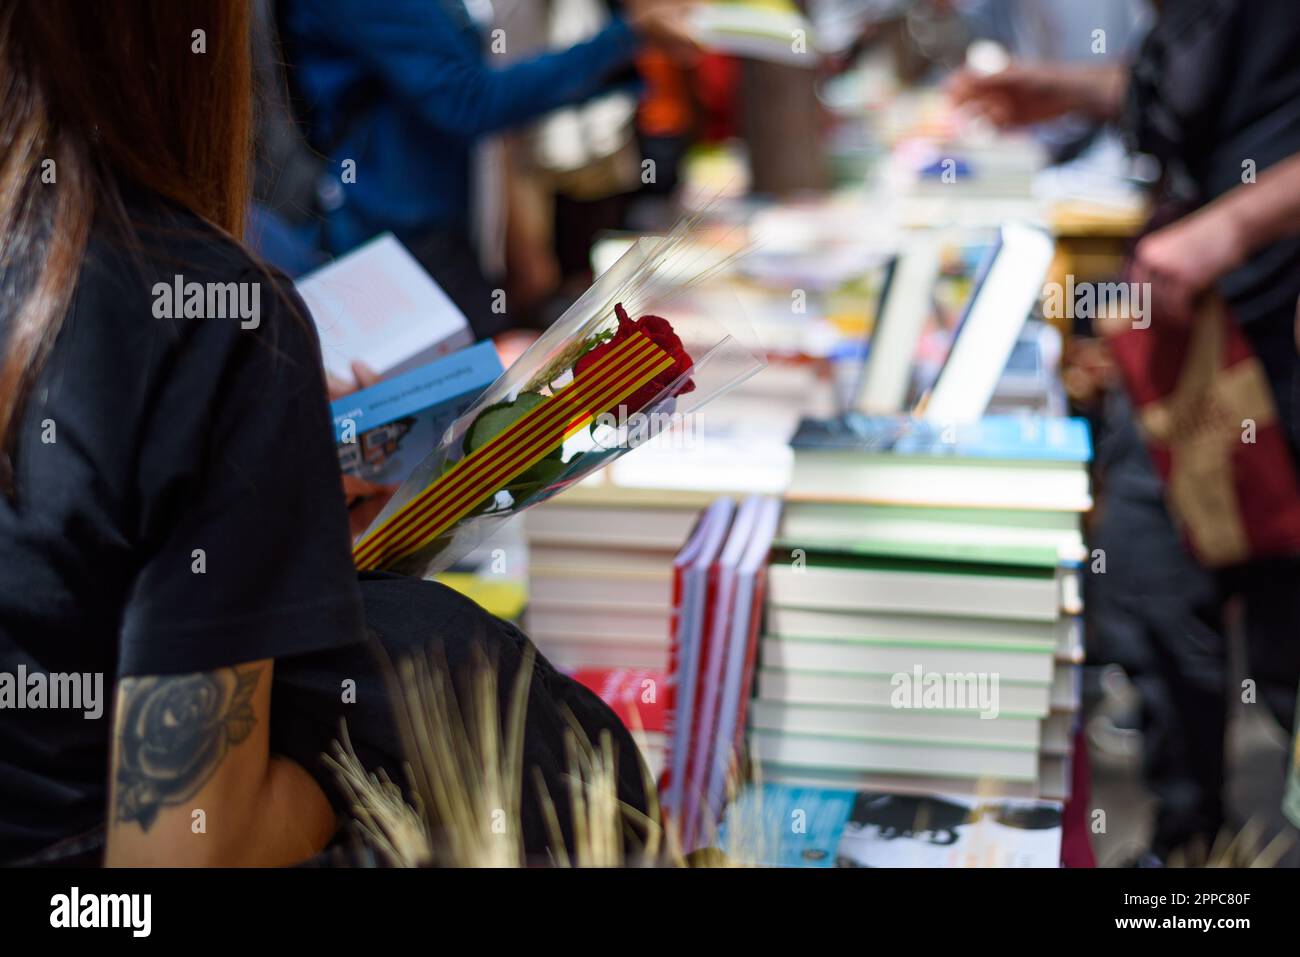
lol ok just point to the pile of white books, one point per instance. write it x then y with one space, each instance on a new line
924 618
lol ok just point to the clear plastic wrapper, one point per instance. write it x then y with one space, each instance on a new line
649 342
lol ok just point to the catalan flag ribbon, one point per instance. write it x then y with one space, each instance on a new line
627 367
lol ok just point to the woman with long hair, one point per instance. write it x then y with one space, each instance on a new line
181 627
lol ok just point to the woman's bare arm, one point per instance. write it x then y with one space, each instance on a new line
193 780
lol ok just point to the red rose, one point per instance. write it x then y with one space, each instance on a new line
661 333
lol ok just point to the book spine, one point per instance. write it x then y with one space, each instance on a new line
673 689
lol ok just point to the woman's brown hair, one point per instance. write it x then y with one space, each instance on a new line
157 93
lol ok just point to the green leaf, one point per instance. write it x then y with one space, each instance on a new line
495 419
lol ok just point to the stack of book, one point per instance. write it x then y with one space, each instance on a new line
718 588
665 632
600 569
923 624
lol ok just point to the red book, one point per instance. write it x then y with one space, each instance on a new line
636 695
691 600
1207 414
719 618
751 657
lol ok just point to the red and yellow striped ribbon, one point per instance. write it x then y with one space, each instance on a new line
617 375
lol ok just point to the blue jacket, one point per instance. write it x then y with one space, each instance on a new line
404 88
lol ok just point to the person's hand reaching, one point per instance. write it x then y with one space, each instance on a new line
1016 96
1023 94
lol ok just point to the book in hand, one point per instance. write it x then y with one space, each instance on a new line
586 392
384 431
1208 416
377 305
772 30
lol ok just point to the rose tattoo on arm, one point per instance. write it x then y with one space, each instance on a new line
175 732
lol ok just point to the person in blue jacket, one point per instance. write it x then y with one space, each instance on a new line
405 89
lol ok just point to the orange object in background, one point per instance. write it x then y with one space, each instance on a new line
678 100
665 108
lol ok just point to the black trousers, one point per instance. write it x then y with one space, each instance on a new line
1160 615
407 616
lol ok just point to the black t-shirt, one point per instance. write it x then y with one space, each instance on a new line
178 505
1215 91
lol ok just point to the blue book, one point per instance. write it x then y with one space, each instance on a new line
1003 437
780 825
385 431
